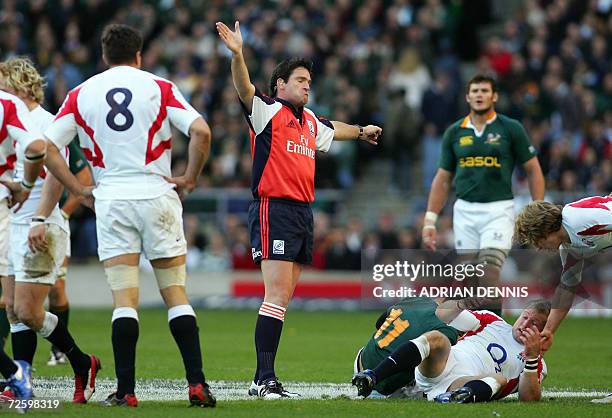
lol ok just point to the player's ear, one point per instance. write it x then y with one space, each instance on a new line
495 97
138 59
105 60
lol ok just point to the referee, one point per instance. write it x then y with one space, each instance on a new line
284 138
479 153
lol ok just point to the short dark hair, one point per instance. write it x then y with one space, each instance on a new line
481 78
285 68
120 43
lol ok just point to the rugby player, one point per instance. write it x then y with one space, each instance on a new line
492 360
579 230
400 323
479 153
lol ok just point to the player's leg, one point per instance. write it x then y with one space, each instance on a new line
469 389
122 274
23 339
171 276
4 254
5 326
31 289
496 231
60 307
164 244
429 353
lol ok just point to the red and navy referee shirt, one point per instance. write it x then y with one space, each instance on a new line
283 145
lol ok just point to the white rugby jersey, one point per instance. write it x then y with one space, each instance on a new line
42 119
123 117
588 223
16 126
491 344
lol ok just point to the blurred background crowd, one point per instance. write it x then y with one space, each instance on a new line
401 64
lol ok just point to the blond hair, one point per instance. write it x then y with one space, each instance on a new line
20 75
536 221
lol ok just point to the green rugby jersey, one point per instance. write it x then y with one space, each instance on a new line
406 320
483 164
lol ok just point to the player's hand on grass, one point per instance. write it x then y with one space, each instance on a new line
37 240
429 237
546 340
232 39
184 185
531 339
18 194
371 134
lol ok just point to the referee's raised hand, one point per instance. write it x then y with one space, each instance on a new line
233 40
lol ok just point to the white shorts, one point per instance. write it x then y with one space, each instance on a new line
68 249
459 364
25 263
5 219
150 226
483 225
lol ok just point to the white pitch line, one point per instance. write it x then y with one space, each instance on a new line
176 390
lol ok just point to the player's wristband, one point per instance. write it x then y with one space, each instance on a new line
37 220
429 227
531 365
431 217
27 185
360 131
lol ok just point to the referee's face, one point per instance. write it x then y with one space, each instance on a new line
297 89
481 98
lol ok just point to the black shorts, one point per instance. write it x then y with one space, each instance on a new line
281 230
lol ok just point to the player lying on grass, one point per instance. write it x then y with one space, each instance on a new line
407 319
578 230
492 360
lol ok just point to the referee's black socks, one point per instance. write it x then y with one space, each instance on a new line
267 337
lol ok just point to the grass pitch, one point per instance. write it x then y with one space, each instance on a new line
319 347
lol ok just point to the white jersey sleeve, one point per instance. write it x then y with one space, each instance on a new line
325 132
16 127
588 223
180 112
263 110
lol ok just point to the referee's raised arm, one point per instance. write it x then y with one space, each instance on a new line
240 72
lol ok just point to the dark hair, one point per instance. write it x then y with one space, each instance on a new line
481 78
120 43
284 70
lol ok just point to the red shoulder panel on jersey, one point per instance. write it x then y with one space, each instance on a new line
10 118
70 107
167 100
485 318
596 202
10 164
596 230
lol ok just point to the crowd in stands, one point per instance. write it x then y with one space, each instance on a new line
396 63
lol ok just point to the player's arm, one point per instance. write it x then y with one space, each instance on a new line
440 189
29 136
73 201
199 149
535 178
49 196
240 72
58 167
529 382
455 314
345 132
